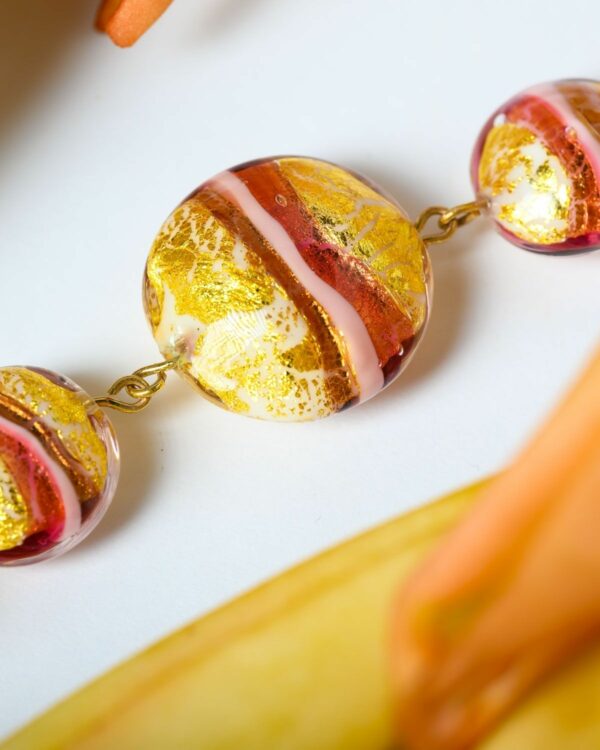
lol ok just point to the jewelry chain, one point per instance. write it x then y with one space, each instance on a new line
139 386
448 219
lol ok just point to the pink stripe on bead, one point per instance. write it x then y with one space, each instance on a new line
555 100
345 318
66 491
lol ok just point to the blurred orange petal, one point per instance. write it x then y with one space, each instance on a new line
126 20
512 591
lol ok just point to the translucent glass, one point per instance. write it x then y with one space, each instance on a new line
289 288
537 163
59 464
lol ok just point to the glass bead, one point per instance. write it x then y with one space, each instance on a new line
59 464
288 288
537 163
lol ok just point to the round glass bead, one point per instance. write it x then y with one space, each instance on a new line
288 288
537 163
59 464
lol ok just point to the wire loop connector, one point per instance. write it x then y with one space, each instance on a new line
448 220
140 386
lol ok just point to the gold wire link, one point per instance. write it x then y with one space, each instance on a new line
138 386
449 219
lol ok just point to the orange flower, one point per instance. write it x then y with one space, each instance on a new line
512 592
126 20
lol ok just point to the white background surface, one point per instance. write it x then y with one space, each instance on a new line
97 146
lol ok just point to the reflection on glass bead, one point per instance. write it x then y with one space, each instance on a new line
288 288
537 162
59 464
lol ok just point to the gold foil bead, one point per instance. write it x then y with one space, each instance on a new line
529 191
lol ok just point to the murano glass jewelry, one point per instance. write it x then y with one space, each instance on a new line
290 289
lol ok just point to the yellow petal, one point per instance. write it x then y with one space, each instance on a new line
300 663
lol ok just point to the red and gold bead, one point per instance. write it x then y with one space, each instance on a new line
288 288
59 464
537 163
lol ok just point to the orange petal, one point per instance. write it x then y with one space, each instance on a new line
512 592
105 12
514 502
126 20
